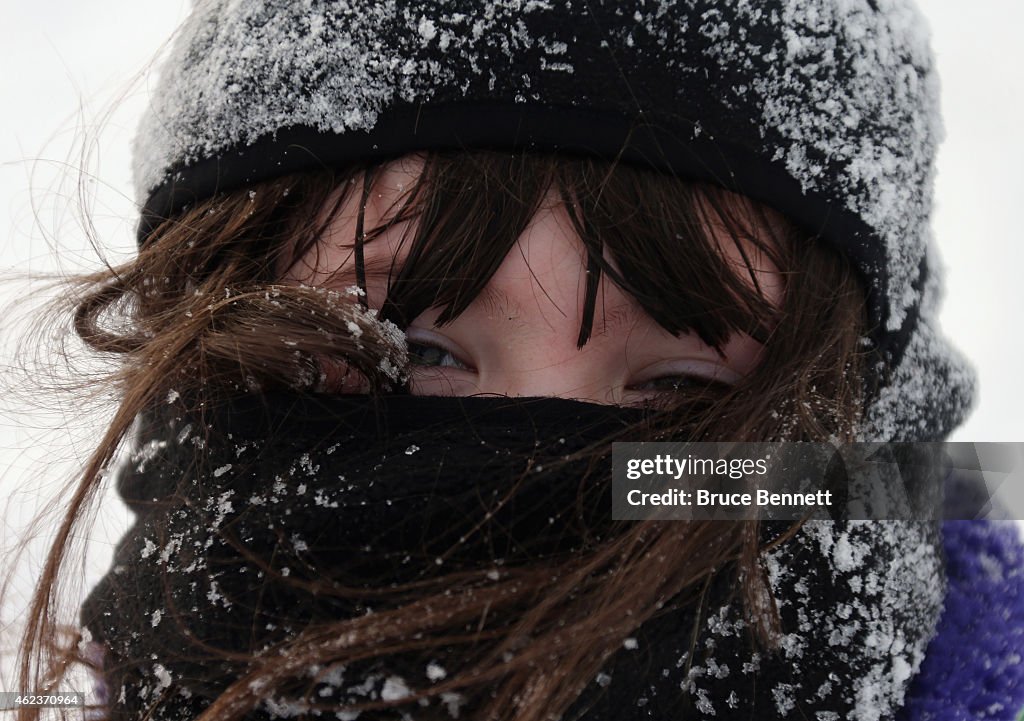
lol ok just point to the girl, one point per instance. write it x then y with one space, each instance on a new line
406 269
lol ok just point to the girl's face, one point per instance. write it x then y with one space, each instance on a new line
519 337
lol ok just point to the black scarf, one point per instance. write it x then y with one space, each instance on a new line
250 512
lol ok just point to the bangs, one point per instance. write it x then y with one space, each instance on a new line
690 254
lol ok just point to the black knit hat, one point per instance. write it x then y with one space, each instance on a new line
826 110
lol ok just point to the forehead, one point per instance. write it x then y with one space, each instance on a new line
332 261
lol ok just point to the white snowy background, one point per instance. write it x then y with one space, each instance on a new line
63 63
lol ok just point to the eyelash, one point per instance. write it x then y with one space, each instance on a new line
414 356
685 382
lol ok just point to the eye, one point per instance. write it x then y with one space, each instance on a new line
693 376
433 356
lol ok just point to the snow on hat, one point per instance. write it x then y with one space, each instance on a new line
826 110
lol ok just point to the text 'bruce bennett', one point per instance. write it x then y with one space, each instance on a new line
702 497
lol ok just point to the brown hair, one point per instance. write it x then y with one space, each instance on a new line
192 310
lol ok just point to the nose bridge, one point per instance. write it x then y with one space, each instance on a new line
576 375
539 292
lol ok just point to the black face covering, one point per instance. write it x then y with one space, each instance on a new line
265 516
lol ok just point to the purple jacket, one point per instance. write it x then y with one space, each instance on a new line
973 669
